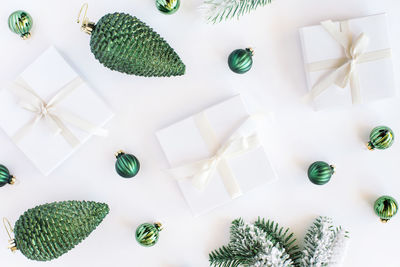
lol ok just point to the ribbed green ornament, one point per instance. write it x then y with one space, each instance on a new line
5 176
168 6
241 60
385 207
381 137
127 165
48 231
320 172
147 234
20 22
123 43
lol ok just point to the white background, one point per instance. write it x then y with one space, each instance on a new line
144 105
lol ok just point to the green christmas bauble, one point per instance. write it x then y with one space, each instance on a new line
168 6
385 207
5 176
20 22
241 60
48 231
147 234
381 137
123 43
127 165
320 172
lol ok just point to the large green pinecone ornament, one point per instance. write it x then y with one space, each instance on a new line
123 43
127 165
320 172
20 22
386 207
5 176
241 60
147 234
48 231
381 137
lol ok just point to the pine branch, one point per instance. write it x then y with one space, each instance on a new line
218 10
324 245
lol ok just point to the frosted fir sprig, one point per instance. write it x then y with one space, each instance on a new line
325 245
217 10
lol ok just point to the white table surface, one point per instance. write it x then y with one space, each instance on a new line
144 105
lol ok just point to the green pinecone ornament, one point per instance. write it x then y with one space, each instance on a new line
20 22
320 172
385 207
381 137
48 231
241 60
123 43
5 176
147 234
127 165
168 7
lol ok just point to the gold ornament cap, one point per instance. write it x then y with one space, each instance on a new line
159 226
11 242
87 26
119 153
13 180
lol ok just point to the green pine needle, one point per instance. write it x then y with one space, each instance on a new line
218 10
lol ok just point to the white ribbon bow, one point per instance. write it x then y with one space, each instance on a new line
244 139
345 68
54 116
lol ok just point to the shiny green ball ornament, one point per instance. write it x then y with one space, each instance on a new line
20 22
147 234
320 172
5 176
385 207
381 137
127 165
168 6
241 60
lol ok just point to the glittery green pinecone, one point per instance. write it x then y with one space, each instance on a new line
126 44
48 231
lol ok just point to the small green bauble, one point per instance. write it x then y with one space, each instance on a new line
5 176
127 165
381 137
320 172
20 22
385 207
168 6
147 234
241 60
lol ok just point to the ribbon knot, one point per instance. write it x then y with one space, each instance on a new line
54 116
345 70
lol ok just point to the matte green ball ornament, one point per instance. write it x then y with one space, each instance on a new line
147 234
168 6
125 44
381 137
5 176
385 207
20 22
241 60
127 165
320 172
48 231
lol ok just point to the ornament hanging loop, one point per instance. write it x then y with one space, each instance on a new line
87 26
11 242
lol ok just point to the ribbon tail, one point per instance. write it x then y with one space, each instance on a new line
355 88
80 123
65 132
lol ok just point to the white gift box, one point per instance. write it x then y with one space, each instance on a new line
40 138
188 141
375 76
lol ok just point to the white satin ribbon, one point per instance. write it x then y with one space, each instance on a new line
244 139
346 69
54 116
